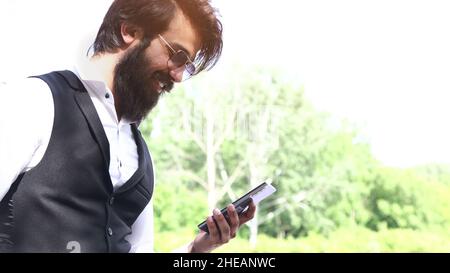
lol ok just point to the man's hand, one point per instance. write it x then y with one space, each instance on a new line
222 232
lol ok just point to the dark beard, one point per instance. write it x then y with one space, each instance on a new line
134 92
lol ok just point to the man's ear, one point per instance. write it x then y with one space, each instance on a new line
130 33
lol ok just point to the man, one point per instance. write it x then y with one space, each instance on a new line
75 173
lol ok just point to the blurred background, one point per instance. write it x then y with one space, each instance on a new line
342 105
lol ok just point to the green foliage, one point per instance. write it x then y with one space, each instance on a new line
169 241
402 199
434 172
176 206
332 194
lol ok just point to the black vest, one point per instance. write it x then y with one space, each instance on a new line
67 202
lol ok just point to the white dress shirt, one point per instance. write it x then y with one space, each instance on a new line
26 121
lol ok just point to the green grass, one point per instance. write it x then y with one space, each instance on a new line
356 239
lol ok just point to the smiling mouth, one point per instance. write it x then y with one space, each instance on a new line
161 84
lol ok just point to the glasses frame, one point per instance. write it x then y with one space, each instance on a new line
189 67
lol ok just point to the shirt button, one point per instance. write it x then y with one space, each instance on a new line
110 231
107 95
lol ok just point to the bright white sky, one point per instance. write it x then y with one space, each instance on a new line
383 64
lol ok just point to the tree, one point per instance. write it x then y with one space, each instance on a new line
224 135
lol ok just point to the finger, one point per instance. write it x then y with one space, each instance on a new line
234 220
248 214
214 234
224 228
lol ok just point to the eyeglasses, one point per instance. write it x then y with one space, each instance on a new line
180 59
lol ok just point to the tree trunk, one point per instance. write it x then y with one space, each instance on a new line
210 161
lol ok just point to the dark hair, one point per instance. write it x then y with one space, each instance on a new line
154 16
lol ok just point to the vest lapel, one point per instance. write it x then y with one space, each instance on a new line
88 109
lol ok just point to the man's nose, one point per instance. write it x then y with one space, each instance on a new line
175 72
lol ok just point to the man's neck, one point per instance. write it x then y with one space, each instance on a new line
102 66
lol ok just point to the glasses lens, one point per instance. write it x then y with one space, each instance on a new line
179 58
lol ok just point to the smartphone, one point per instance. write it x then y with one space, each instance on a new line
257 194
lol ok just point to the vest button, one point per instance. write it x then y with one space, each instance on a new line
111 201
110 231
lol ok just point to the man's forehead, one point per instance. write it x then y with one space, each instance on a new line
181 34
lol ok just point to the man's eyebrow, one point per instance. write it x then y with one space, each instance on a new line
177 46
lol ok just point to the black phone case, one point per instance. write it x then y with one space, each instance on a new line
240 205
